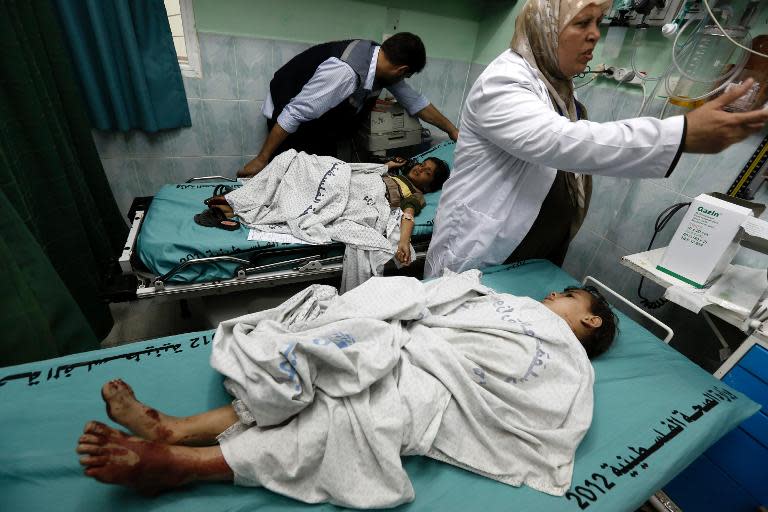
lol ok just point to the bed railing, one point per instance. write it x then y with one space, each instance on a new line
201 178
247 268
626 302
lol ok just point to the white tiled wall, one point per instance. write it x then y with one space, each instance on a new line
227 126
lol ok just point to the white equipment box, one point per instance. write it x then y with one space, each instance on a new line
389 126
705 242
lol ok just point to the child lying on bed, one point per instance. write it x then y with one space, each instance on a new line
404 190
493 383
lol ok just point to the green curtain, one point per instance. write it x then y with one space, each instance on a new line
59 225
126 63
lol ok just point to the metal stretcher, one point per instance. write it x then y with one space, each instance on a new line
167 256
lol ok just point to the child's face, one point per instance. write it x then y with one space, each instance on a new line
421 175
573 306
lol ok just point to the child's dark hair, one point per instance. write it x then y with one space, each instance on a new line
601 338
406 49
441 173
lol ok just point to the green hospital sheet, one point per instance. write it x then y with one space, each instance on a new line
642 390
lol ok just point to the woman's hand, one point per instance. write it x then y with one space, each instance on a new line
403 253
711 129
396 163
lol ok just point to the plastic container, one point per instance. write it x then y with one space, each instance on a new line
706 65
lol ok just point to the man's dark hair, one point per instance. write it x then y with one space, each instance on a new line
406 49
601 338
441 173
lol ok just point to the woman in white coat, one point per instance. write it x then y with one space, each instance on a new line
521 182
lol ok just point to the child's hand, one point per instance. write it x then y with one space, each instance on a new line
403 253
252 168
396 162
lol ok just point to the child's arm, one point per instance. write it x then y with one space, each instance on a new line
403 253
396 163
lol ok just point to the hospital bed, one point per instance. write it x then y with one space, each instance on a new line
655 412
168 255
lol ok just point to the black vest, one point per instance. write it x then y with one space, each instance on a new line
291 78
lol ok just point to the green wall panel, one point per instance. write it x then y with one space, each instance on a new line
448 28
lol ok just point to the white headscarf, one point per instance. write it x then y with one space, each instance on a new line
536 39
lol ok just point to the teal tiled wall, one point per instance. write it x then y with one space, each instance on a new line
227 126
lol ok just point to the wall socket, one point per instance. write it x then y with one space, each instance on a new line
622 75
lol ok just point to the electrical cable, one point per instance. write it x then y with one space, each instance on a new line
645 99
595 74
592 79
615 94
712 15
661 221
614 102
653 95
639 74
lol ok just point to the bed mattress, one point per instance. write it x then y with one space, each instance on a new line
655 412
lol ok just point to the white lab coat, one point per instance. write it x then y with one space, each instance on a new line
511 143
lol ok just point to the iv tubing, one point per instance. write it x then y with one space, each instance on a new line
686 75
633 57
738 69
729 76
639 74
709 10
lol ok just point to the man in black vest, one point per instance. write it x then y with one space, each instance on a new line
321 95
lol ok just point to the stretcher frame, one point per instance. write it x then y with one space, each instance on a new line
137 283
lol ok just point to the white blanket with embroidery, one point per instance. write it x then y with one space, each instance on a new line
319 200
332 389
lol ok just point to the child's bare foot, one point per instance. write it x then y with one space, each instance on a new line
113 457
149 423
146 422
225 209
